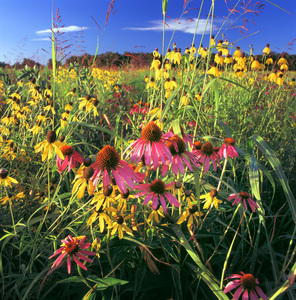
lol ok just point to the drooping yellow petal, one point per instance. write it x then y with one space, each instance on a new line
77 183
58 152
81 190
92 218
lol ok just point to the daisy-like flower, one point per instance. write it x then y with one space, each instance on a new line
71 158
211 199
5 178
228 148
73 248
243 197
207 153
48 145
151 145
247 285
82 181
108 162
180 155
157 191
190 214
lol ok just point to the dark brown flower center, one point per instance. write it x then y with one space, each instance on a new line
193 209
108 157
88 172
244 195
249 282
229 141
180 143
3 173
51 137
107 191
213 193
151 132
67 150
87 161
157 186
178 185
71 248
207 148
119 220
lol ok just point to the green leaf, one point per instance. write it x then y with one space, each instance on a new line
71 279
254 178
276 165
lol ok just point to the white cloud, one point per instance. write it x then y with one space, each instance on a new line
63 29
184 25
43 39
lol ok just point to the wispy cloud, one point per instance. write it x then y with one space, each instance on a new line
43 39
184 25
63 29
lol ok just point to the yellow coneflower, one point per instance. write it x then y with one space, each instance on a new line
82 181
211 199
6 179
49 145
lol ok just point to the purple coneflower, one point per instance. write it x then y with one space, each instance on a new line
157 191
151 145
243 197
228 148
71 158
246 284
73 248
205 154
108 161
180 156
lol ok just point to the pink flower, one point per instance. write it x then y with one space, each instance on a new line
266 93
151 145
243 197
228 148
180 155
157 191
108 162
247 285
73 248
71 158
207 153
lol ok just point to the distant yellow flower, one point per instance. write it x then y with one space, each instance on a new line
5 178
211 199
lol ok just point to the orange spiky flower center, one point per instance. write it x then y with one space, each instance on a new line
249 282
157 186
72 247
229 141
67 150
180 143
108 157
244 195
207 148
151 132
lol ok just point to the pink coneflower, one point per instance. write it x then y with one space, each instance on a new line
180 156
228 148
71 158
157 191
73 248
243 197
247 285
108 161
186 137
205 154
151 145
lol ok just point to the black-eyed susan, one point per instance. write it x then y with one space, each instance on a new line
120 222
211 199
5 178
82 181
49 145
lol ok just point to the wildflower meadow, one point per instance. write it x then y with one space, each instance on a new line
169 177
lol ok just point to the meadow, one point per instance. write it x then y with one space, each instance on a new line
174 180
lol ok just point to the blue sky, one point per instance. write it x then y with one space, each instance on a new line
136 25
